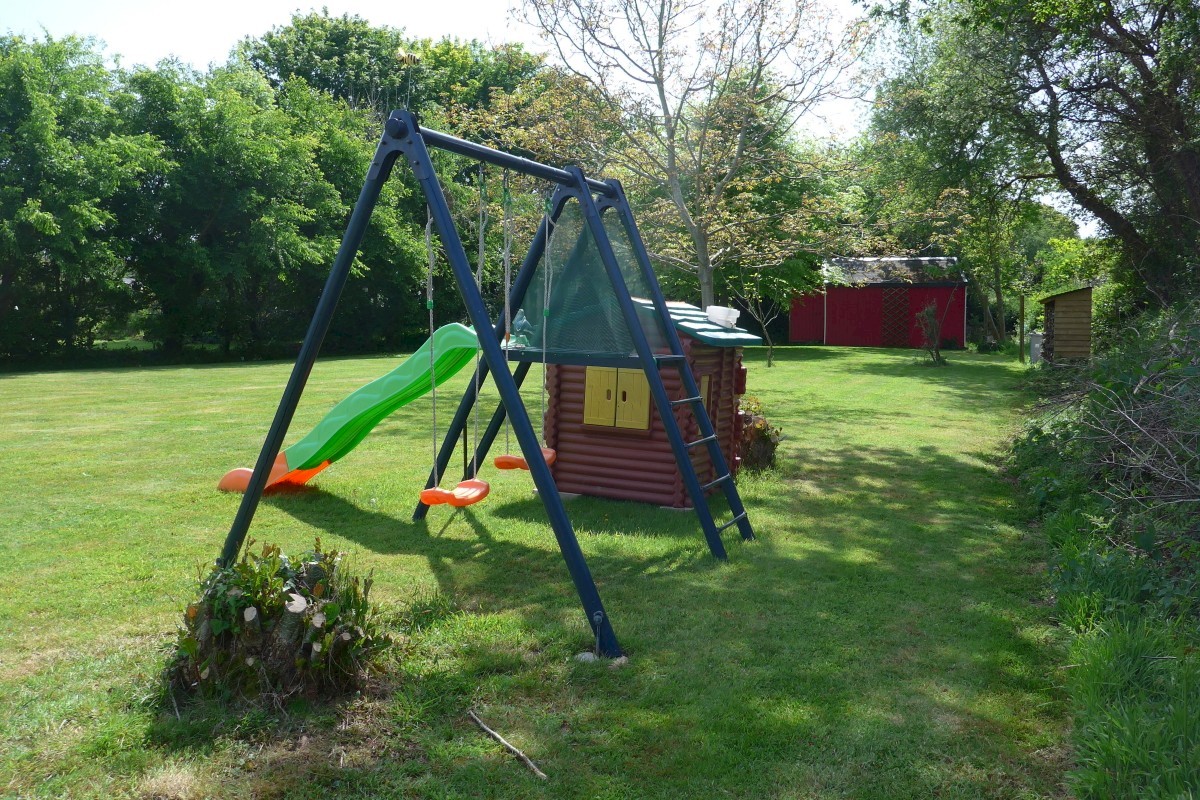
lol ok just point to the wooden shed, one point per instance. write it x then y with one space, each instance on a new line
607 432
1068 325
874 302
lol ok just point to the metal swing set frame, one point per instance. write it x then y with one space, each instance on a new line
404 138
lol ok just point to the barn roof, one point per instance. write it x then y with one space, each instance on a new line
893 271
695 323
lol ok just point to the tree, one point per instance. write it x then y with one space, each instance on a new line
357 62
345 56
700 96
1102 95
781 224
937 140
239 213
62 162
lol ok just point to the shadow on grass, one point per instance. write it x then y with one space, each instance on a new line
507 573
877 641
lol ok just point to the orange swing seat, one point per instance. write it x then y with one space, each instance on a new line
517 462
467 493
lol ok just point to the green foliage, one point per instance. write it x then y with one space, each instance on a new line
1095 98
930 324
1135 688
1114 470
203 209
272 627
63 164
356 62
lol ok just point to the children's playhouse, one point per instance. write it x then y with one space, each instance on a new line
610 438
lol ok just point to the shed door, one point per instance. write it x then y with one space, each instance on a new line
895 315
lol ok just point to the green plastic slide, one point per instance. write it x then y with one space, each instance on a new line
349 422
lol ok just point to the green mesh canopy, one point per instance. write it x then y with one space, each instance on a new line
571 299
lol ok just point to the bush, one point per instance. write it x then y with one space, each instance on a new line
270 627
1112 466
760 439
1128 430
930 325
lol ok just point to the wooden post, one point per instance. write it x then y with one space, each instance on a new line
1021 323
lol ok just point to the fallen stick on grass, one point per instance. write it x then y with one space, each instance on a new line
524 758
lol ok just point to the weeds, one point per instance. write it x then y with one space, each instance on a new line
1112 464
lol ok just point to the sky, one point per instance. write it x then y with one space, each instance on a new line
204 32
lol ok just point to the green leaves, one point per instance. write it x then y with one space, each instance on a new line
65 161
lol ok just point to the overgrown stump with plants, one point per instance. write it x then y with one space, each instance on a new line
270 627
760 439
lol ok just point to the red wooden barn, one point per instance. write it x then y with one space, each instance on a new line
874 302
607 432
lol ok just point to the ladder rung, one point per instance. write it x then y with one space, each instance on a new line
712 438
668 359
695 399
732 522
717 482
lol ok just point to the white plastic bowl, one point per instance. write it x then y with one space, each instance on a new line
723 316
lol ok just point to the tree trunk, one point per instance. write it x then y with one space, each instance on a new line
989 324
1001 334
704 268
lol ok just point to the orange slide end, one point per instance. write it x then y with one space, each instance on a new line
236 480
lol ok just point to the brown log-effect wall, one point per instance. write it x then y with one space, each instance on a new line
639 465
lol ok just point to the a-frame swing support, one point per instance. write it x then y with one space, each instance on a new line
403 138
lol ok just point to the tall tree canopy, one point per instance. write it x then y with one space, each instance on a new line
1099 98
63 160
702 95
359 63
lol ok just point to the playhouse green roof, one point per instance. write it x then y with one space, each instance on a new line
695 323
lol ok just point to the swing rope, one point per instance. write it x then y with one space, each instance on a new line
437 478
470 491
509 460
507 258
483 220
548 285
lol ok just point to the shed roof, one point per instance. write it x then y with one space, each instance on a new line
893 271
695 323
1059 295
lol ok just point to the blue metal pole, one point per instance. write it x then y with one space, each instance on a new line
402 129
444 141
591 213
616 199
377 175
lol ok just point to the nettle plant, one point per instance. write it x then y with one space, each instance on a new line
271 626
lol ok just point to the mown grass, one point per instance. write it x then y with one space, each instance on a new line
883 638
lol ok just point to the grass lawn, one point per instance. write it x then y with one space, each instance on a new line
883 638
